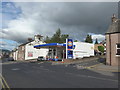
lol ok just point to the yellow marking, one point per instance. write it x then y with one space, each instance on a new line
94 65
5 82
2 83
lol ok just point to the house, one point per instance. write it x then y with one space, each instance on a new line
26 51
33 53
113 42
14 54
21 52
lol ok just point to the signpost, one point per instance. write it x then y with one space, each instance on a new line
69 49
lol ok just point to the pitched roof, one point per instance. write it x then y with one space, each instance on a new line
25 43
114 27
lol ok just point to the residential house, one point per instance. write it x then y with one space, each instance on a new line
113 42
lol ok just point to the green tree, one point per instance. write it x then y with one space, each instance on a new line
89 39
76 41
101 49
96 41
47 40
63 38
57 37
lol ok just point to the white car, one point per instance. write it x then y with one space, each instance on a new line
41 58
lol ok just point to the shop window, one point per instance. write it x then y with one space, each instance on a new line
118 49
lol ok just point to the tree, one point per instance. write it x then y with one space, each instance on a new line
89 39
63 38
57 37
47 39
101 49
96 41
76 41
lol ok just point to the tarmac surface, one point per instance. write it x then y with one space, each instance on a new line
47 75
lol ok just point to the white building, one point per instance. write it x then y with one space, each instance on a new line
83 49
33 53
27 51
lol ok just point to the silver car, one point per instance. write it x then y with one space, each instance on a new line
41 58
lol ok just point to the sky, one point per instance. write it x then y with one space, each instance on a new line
21 20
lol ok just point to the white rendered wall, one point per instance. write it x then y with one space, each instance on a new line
15 54
83 50
35 52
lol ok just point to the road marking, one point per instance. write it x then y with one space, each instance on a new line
15 69
4 82
94 65
92 77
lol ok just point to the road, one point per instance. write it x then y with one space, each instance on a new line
46 75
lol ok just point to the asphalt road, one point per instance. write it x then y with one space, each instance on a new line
45 75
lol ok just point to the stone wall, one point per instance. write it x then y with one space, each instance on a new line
111 40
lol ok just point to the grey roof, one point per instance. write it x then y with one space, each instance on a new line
114 27
25 43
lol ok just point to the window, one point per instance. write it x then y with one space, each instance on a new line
118 49
22 47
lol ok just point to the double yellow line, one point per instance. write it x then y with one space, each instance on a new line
4 84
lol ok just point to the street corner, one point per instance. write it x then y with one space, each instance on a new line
94 66
104 68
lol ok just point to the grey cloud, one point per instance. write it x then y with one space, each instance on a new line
76 18
92 15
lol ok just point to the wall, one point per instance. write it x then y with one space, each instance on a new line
33 53
21 53
83 49
115 60
15 55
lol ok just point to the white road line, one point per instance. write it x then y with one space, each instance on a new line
15 69
92 77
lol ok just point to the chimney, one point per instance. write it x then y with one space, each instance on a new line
29 39
113 19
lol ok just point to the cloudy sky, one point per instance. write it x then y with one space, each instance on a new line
21 20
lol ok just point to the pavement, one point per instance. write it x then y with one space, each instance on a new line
90 64
103 67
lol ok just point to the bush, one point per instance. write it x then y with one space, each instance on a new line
101 49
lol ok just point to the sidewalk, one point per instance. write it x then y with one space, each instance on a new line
72 61
106 68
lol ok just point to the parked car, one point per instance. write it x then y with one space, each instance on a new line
41 58
10 59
